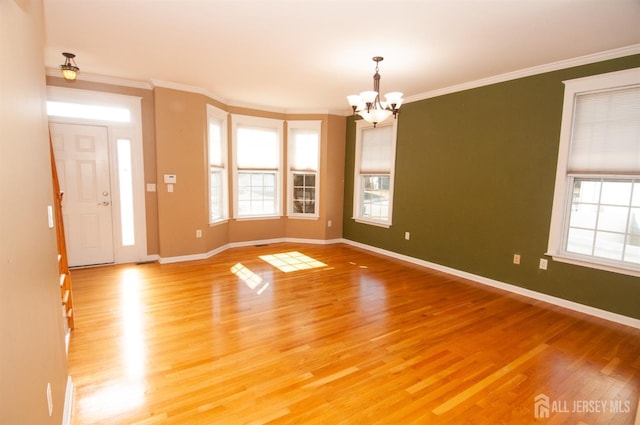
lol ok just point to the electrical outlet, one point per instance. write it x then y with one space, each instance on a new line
198 233
516 258
543 263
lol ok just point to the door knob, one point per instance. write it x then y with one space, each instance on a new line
105 203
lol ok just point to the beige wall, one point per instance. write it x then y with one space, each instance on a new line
333 178
181 150
32 351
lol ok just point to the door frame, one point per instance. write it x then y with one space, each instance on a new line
115 130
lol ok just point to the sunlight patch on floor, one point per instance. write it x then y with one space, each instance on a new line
292 261
250 278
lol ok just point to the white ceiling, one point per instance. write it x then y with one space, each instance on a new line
307 55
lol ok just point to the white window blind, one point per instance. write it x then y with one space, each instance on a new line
377 150
304 149
606 132
257 148
217 148
215 143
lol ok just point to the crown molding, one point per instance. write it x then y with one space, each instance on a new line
528 72
103 79
187 88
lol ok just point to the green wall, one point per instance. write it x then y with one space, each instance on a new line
475 173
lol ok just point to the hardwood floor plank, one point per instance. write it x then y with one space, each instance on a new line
485 382
362 339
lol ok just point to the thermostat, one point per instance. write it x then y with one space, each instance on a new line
170 178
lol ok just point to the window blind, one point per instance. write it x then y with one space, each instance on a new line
376 150
257 148
304 150
215 143
606 132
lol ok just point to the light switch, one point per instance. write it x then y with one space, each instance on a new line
169 188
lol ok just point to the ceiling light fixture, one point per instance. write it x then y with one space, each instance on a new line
69 69
368 104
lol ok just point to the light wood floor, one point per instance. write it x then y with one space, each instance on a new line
361 339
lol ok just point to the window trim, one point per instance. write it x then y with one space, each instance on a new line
362 125
304 125
269 123
221 116
559 213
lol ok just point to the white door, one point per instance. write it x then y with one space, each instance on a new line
82 157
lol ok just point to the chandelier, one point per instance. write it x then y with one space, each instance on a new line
368 104
69 68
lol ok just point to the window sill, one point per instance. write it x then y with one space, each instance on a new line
218 222
258 217
599 264
372 222
304 217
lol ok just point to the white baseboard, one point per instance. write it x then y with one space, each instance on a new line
68 402
167 260
561 302
182 258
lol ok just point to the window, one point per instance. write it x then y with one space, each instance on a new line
257 157
596 210
374 172
125 188
217 153
87 111
304 163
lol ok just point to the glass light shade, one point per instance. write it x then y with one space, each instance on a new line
394 97
375 115
369 96
354 100
69 74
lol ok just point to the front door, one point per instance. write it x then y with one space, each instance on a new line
82 158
